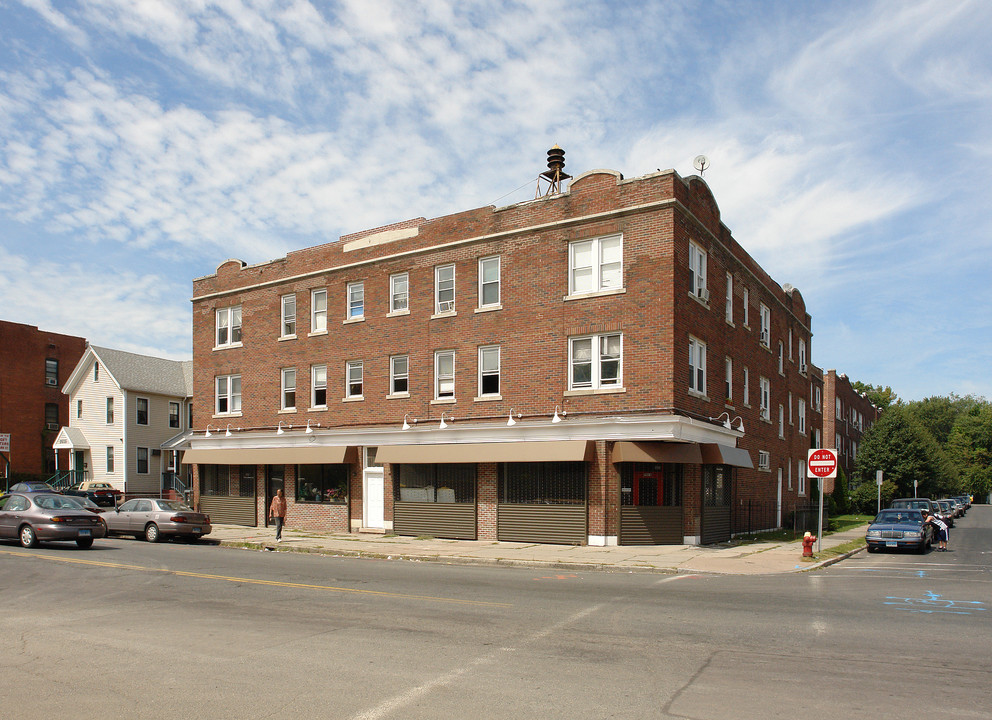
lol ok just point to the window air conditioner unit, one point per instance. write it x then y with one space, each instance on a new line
52 426
51 381
446 306
764 337
802 368
704 294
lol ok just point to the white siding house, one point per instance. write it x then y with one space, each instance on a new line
123 408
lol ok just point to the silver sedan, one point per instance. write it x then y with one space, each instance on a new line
34 517
155 519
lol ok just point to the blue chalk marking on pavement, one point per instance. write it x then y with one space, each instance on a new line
932 604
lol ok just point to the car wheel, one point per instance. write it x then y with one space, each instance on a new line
872 548
84 543
28 537
152 534
922 549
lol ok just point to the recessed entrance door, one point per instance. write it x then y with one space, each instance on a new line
373 498
649 488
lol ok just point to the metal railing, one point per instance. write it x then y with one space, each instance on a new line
172 481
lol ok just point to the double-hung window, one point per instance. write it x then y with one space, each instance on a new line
318 311
802 356
399 293
287 392
697 272
766 326
227 394
802 416
288 326
356 300
110 459
173 414
52 372
228 326
110 411
728 311
142 461
746 392
399 375
318 386
444 289
697 366
489 370
444 374
489 282
781 421
765 399
141 414
595 265
595 362
728 378
745 301
356 376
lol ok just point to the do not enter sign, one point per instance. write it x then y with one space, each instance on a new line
822 463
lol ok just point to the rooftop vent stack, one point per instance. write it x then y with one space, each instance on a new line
555 172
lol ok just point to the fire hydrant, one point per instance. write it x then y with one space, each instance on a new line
808 540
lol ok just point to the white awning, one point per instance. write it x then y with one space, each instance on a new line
70 438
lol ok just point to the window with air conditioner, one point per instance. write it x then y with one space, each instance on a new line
765 398
766 325
444 289
764 460
697 272
51 372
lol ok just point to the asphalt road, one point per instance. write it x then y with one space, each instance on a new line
129 629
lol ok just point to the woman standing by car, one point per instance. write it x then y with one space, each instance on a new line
941 532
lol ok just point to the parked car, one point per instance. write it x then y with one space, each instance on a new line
925 504
945 511
157 518
32 486
34 517
86 504
102 493
899 528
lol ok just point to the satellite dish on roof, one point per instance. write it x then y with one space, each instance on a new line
701 162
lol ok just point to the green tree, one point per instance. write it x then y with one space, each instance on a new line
969 448
879 396
900 446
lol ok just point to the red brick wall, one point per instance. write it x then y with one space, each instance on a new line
24 394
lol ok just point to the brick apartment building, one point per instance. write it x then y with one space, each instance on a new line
604 364
847 416
33 365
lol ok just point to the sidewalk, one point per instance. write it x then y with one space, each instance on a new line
763 558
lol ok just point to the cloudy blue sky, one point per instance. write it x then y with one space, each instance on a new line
142 142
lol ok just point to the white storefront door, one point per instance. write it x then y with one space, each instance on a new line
373 499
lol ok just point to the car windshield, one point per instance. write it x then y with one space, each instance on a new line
894 516
55 502
172 505
83 502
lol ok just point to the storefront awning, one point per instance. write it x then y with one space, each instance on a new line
272 456
551 451
656 452
715 454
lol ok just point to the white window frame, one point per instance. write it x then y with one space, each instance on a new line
287 314
729 302
746 396
399 293
597 360
445 378
354 386
487 352
764 460
399 374
764 398
766 326
803 367
781 422
356 301
601 274
110 411
287 385
485 264
697 271
781 358
318 311
745 297
228 320
802 416
231 394
79 409
802 478
137 411
443 286
318 382
697 367
790 408
728 379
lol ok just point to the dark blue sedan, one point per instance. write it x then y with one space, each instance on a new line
899 528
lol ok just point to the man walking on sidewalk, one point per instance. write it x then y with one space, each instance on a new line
277 513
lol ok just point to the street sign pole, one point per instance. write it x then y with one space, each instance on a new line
878 479
821 464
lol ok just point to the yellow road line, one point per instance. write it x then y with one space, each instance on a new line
251 581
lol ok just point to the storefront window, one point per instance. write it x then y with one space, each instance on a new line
246 488
449 483
716 485
215 480
322 483
543 483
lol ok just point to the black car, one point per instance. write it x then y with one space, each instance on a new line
897 528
